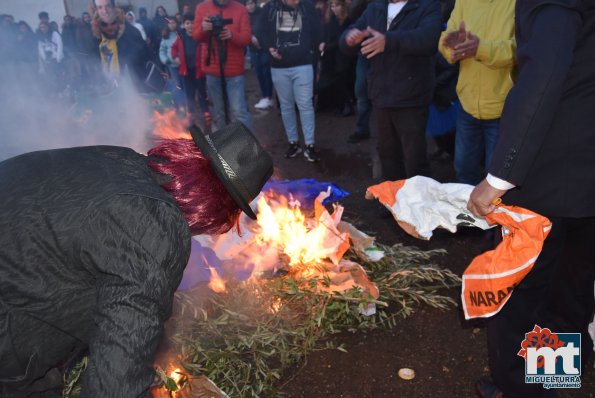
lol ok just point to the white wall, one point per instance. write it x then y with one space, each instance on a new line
27 10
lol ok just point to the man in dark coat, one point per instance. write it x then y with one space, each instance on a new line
400 40
545 162
94 243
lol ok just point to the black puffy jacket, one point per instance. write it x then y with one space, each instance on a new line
91 252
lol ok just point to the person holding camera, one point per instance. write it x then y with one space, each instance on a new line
224 27
291 32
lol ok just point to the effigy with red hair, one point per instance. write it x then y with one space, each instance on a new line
94 243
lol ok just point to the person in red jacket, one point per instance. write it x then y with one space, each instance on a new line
224 27
186 51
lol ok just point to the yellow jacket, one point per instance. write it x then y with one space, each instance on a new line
485 80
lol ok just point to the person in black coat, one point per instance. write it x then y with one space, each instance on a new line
119 44
94 243
400 40
545 161
337 72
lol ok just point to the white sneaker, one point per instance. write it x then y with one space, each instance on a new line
264 103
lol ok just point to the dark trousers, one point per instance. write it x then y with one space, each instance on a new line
402 141
262 66
364 105
556 294
193 87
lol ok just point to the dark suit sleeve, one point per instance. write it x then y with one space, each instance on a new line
360 24
423 40
544 59
139 247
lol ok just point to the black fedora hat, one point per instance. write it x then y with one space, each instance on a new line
239 161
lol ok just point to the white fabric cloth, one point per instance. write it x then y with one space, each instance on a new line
426 204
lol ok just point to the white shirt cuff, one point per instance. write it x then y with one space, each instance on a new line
499 183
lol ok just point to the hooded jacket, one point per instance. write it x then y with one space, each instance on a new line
91 252
295 33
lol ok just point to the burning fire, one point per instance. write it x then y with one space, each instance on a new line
281 228
304 241
176 375
216 283
169 126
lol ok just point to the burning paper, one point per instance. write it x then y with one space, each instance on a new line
284 238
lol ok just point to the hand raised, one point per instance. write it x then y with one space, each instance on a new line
354 37
451 39
374 44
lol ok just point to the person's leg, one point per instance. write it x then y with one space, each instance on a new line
284 86
189 83
214 87
201 88
410 126
265 66
177 92
556 294
256 59
469 149
303 83
389 146
236 94
490 138
364 106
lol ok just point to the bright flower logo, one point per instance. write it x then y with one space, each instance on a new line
539 338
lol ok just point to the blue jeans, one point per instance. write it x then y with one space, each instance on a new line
475 141
295 85
236 99
261 62
364 105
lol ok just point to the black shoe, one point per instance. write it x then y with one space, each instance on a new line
310 154
293 150
357 137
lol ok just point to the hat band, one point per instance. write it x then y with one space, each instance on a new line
233 177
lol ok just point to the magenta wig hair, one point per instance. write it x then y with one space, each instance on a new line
206 204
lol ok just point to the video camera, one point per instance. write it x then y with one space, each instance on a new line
219 23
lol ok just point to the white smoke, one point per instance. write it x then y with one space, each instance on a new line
31 119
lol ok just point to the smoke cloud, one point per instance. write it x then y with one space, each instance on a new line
31 119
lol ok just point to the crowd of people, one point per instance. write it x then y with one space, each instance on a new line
515 82
293 46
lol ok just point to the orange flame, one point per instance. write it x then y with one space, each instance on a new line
276 305
280 229
304 241
169 126
176 375
216 283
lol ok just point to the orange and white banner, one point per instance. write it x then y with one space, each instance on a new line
492 276
421 204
